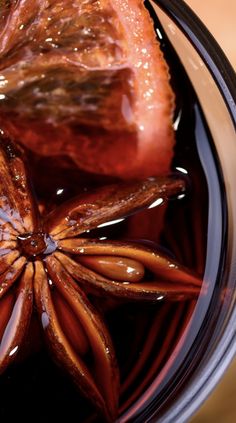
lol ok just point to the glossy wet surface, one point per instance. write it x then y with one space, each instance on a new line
90 90
142 343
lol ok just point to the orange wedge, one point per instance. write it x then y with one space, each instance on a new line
86 79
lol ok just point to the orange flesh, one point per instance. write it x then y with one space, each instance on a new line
93 83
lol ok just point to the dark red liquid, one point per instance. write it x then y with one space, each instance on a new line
144 336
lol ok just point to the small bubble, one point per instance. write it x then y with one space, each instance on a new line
60 191
172 266
160 297
45 320
13 351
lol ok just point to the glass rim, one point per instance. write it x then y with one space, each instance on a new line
225 78
206 45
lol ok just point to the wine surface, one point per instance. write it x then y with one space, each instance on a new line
144 336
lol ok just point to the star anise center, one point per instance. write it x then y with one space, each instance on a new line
34 245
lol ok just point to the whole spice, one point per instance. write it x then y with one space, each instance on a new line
48 262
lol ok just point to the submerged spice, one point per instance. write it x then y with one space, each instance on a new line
82 92
37 265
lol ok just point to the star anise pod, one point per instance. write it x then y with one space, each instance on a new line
46 263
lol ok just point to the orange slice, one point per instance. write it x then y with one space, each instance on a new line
87 79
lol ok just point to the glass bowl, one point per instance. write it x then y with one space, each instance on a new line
212 345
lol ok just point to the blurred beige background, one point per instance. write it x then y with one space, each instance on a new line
220 18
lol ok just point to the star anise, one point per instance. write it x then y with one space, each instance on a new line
46 263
